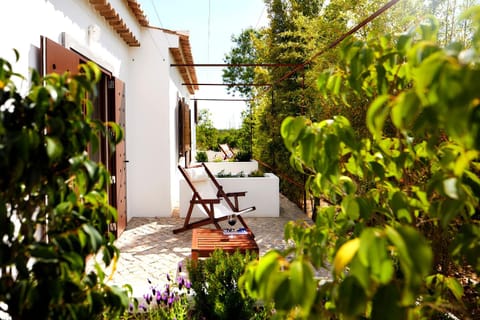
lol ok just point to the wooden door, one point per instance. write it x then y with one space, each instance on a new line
120 159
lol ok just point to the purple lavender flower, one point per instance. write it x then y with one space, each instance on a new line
165 297
180 281
167 288
180 265
147 297
168 277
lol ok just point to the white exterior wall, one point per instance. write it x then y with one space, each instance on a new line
152 183
151 133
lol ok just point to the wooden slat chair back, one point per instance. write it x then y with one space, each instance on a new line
209 196
227 151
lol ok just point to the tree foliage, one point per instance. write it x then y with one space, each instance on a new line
291 37
243 53
207 135
54 211
402 225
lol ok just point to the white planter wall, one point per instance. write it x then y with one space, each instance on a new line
233 167
262 192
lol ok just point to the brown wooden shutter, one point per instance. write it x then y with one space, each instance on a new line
58 59
120 159
184 127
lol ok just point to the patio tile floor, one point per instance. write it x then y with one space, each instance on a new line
150 250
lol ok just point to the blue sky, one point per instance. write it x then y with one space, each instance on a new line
211 24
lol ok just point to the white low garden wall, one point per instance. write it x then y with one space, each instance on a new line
262 192
233 167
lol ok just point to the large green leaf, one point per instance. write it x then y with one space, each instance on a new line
302 284
350 207
415 257
385 302
406 109
377 114
373 254
352 299
291 130
54 148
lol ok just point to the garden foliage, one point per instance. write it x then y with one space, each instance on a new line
54 211
168 302
216 292
401 231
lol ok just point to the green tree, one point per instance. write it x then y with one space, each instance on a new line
451 26
400 228
207 134
240 56
288 40
54 211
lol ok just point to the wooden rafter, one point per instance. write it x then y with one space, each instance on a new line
105 9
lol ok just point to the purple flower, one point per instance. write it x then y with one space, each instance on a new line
167 288
180 265
180 281
147 297
168 277
142 306
164 297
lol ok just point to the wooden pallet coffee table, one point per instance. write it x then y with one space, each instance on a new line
205 241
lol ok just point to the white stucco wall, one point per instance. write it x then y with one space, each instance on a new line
151 123
152 181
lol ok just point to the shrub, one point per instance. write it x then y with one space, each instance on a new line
169 301
398 232
216 293
201 156
49 184
257 173
243 156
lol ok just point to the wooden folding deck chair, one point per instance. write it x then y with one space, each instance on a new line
212 200
227 151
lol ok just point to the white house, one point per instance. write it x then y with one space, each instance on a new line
139 89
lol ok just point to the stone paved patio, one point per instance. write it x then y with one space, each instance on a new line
150 250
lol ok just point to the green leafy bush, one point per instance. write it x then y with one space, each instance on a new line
216 292
242 155
54 210
399 231
201 156
257 173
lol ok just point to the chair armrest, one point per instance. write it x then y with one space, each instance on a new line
236 194
206 201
